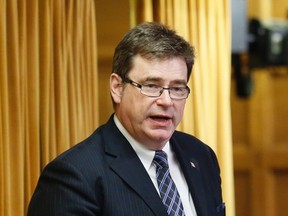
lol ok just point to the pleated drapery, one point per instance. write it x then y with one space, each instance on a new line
48 89
206 24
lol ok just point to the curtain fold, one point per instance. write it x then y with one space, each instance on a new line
206 24
48 89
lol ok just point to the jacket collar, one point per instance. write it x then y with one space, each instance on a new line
192 173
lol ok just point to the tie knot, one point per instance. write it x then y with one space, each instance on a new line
160 159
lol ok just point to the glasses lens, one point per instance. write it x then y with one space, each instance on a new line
151 90
179 93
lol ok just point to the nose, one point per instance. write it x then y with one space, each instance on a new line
164 99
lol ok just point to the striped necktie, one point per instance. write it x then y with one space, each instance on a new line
167 188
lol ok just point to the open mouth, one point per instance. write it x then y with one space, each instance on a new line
160 118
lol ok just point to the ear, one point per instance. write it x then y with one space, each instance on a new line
116 87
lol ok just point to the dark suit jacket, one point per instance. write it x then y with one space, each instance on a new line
104 176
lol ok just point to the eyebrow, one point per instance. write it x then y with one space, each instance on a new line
159 79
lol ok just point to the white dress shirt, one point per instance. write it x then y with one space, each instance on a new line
146 157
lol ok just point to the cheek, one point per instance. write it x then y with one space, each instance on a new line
179 110
134 104
137 101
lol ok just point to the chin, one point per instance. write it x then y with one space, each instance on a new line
163 137
160 134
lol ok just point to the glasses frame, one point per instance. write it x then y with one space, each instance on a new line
140 86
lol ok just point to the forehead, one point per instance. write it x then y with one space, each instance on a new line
163 69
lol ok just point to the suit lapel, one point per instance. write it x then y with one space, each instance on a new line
135 175
125 162
192 174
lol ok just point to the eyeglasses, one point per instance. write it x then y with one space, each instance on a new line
152 90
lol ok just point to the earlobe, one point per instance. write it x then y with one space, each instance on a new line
116 87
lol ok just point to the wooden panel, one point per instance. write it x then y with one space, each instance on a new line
243 197
260 133
240 121
279 89
261 147
280 195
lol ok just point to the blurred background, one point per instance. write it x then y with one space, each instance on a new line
55 63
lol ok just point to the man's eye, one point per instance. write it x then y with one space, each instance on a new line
151 86
177 89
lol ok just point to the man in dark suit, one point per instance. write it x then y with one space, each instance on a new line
123 168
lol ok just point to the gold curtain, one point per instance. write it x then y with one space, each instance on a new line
206 24
48 89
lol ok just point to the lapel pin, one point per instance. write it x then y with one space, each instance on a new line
193 165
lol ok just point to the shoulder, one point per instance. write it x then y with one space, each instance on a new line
189 141
86 152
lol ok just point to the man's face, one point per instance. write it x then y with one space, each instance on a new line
150 120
